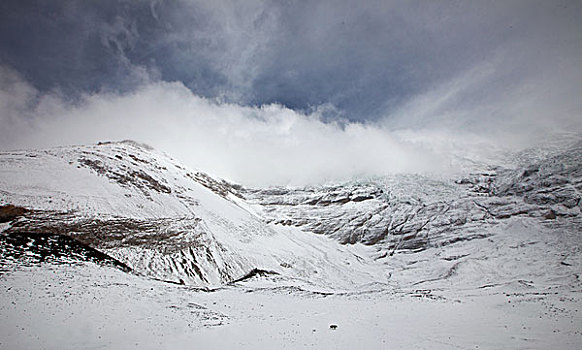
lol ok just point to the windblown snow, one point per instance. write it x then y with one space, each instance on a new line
117 245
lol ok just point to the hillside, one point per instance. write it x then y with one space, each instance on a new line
162 219
125 216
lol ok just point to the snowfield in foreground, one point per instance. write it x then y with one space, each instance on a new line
119 246
87 307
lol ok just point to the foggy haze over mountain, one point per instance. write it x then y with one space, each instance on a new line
289 92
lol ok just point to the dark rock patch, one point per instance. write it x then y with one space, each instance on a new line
34 247
10 212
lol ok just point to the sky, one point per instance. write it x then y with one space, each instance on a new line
293 92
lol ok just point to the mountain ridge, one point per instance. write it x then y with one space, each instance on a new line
161 219
172 223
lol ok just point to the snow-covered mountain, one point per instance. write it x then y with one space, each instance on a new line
164 220
413 212
496 234
169 222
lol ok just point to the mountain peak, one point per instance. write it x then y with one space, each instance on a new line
127 142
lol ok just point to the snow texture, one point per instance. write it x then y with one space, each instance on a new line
117 245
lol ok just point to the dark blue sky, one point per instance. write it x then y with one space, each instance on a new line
365 58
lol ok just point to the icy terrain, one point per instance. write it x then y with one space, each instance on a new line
117 245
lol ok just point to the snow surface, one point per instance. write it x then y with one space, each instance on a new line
87 306
491 260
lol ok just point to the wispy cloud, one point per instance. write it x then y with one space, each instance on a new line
365 59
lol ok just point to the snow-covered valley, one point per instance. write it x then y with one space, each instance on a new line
117 245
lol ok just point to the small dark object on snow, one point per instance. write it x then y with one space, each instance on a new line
551 215
333 326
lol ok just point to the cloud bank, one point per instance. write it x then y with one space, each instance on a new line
294 92
267 145
253 145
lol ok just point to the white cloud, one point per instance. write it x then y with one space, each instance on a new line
252 145
509 99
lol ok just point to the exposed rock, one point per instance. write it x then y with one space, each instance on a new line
10 212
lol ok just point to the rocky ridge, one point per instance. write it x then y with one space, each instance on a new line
413 212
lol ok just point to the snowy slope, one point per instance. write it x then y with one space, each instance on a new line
122 179
163 220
